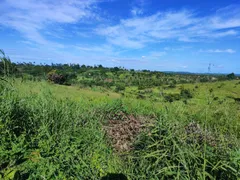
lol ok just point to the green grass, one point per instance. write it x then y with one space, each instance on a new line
61 91
56 132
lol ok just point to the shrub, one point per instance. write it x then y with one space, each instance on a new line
141 87
172 97
186 94
172 85
231 76
211 90
140 96
120 87
56 78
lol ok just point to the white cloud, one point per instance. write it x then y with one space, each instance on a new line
184 25
127 42
227 17
184 66
220 66
94 50
180 48
40 21
136 11
141 3
230 51
31 17
115 61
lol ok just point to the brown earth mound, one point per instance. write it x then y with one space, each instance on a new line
123 130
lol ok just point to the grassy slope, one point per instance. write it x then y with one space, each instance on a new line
202 102
220 89
44 134
60 91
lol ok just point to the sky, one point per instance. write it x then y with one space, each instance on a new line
162 35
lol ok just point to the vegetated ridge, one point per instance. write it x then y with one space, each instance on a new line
82 122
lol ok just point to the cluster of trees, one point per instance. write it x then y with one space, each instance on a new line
55 77
117 77
184 95
59 77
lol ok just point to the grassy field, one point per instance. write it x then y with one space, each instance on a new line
52 131
60 91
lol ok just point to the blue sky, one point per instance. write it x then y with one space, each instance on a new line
164 35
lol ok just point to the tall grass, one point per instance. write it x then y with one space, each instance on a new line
45 137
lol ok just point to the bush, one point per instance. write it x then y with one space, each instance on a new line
140 96
56 78
172 85
120 87
164 159
186 94
172 97
231 76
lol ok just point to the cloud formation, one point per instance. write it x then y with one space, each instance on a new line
183 26
81 31
230 51
136 11
32 17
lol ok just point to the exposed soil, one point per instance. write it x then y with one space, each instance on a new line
122 130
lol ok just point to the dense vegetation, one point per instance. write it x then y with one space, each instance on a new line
160 126
108 77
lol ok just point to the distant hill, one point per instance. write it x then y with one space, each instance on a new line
191 73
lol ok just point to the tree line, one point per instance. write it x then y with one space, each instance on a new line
88 76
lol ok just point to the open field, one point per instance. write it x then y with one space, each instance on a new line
60 91
119 90
52 131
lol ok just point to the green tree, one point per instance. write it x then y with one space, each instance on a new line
231 76
55 77
7 68
120 87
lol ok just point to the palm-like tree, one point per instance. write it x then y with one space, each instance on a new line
7 68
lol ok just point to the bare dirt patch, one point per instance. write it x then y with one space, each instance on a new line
123 129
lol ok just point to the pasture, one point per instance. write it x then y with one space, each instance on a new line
50 131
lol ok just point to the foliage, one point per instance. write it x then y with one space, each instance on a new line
7 68
186 93
172 97
120 87
59 132
60 78
89 76
54 77
42 136
231 76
